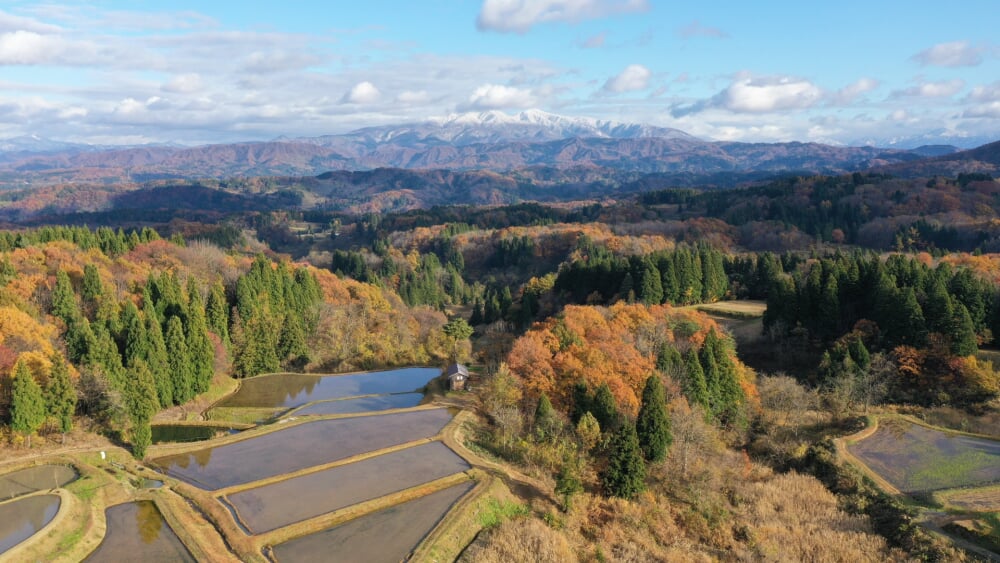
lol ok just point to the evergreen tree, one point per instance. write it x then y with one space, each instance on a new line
292 342
963 333
625 475
201 353
650 284
134 338
568 482
694 386
180 365
589 431
64 304
140 397
545 421
668 357
258 353
582 401
92 288
217 312
653 424
27 409
605 408
60 396
157 359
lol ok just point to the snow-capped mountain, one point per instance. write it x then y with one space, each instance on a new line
490 127
936 137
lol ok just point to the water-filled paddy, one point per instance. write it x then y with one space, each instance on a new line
138 532
363 404
387 535
916 458
279 504
299 447
21 519
34 479
293 390
184 432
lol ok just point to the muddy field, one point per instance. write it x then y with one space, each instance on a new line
20 519
34 479
138 532
915 458
387 535
273 506
363 404
299 447
293 390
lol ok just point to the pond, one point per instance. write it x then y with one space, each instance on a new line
299 447
363 404
20 519
915 458
387 535
293 390
186 432
34 479
138 532
307 496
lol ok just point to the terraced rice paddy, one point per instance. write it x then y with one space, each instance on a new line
184 432
273 506
363 404
914 458
293 390
22 518
34 479
387 535
299 447
138 532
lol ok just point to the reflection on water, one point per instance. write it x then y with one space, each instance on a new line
35 479
21 519
137 532
387 535
363 404
298 447
184 432
293 390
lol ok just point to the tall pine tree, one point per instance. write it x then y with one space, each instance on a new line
653 424
625 474
27 409
60 396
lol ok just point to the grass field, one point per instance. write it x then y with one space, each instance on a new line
741 309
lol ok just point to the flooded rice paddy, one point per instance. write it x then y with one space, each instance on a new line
387 535
34 479
185 432
363 404
20 519
300 498
293 390
915 458
138 532
299 447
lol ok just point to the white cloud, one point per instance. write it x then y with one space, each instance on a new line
954 54
519 16
11 22
942 89
852 91
413 97
633 78
990 110
748 94
496 96
362 93
696 29
29 48
985 93
187 83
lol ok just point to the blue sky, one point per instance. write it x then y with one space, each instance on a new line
197 72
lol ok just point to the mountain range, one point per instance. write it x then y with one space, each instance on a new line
490 140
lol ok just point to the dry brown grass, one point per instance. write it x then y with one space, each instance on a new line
523 539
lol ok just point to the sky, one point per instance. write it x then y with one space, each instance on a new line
845 72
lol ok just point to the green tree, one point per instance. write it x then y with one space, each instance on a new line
588 430
694 386
27 409
568 482
625 475
201 353
60 396
92 288
177 357
545 422
217 312
292 346
64 305
653 424
963 332
157 359
605 408
140 402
